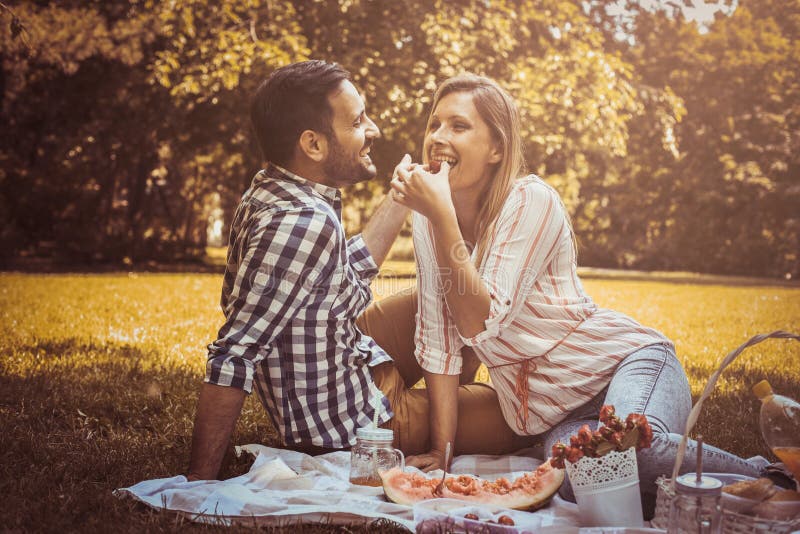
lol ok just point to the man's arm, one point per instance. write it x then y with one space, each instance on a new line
385 223
218 409
268 295
383 227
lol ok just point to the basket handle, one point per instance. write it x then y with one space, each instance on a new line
695 412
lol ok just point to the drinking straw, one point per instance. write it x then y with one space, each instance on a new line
377 415
375 418
699 463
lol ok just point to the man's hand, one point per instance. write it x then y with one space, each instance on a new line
217 412
429 461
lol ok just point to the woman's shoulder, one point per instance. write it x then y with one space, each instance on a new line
530 189
532 181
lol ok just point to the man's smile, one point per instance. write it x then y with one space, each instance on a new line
364 154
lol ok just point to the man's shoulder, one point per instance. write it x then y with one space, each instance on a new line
272 207
303 218
272 196
268 198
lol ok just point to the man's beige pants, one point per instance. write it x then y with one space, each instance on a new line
481 426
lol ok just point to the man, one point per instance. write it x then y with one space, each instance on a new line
288 262
294 286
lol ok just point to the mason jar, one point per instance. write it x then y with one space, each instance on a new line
696 505
373 453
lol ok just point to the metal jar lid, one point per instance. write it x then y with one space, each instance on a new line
706 487
375 434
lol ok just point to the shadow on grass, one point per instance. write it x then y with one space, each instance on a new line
678 277
52 266
83 419
730 418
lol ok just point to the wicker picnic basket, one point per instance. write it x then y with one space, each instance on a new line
732 522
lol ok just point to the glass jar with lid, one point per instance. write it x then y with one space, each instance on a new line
372 453
696 505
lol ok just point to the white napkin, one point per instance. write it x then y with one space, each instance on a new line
284 487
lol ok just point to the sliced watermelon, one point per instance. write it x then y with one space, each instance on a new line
528 492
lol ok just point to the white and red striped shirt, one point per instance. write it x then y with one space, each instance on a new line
548 347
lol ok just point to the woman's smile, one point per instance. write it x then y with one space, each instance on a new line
459 136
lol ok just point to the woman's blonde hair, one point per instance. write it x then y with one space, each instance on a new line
500 113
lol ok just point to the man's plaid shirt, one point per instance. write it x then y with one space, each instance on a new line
292 291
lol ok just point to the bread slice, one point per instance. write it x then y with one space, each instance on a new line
758 490
785 496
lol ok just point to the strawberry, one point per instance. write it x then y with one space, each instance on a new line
574 454
585 435
634 419
505 520
606 413
645 436
606 432
557 455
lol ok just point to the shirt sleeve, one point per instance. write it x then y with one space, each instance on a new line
288 259
530 229
438 345
364 268
361 260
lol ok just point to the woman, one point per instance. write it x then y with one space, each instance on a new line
496 265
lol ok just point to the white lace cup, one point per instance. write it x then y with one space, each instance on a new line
615 469
607 489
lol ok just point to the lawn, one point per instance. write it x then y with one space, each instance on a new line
99 375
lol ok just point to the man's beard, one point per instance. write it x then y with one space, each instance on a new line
342 169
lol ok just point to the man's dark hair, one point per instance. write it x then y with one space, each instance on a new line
294 98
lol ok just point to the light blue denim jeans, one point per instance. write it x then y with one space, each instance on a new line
651 381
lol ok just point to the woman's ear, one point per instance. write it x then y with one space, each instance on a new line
313 145
496 154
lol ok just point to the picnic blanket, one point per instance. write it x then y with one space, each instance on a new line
283 487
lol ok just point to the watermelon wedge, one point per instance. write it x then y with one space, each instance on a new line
528 492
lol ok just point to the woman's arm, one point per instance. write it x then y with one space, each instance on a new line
465 293
530 231
443 398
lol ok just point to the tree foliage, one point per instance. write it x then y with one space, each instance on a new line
726 196
127 120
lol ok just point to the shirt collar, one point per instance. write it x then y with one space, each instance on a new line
331 194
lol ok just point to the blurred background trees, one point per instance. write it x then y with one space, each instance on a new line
125 131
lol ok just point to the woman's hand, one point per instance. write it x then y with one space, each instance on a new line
429 461
426 193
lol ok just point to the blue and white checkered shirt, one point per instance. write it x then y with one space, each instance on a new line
292 291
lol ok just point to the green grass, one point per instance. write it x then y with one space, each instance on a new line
99 376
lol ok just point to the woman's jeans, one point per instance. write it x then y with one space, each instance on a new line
650 381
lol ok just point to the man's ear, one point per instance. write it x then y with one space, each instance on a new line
313 145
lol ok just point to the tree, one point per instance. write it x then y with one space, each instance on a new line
724 198
128 122
126 117
576 100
